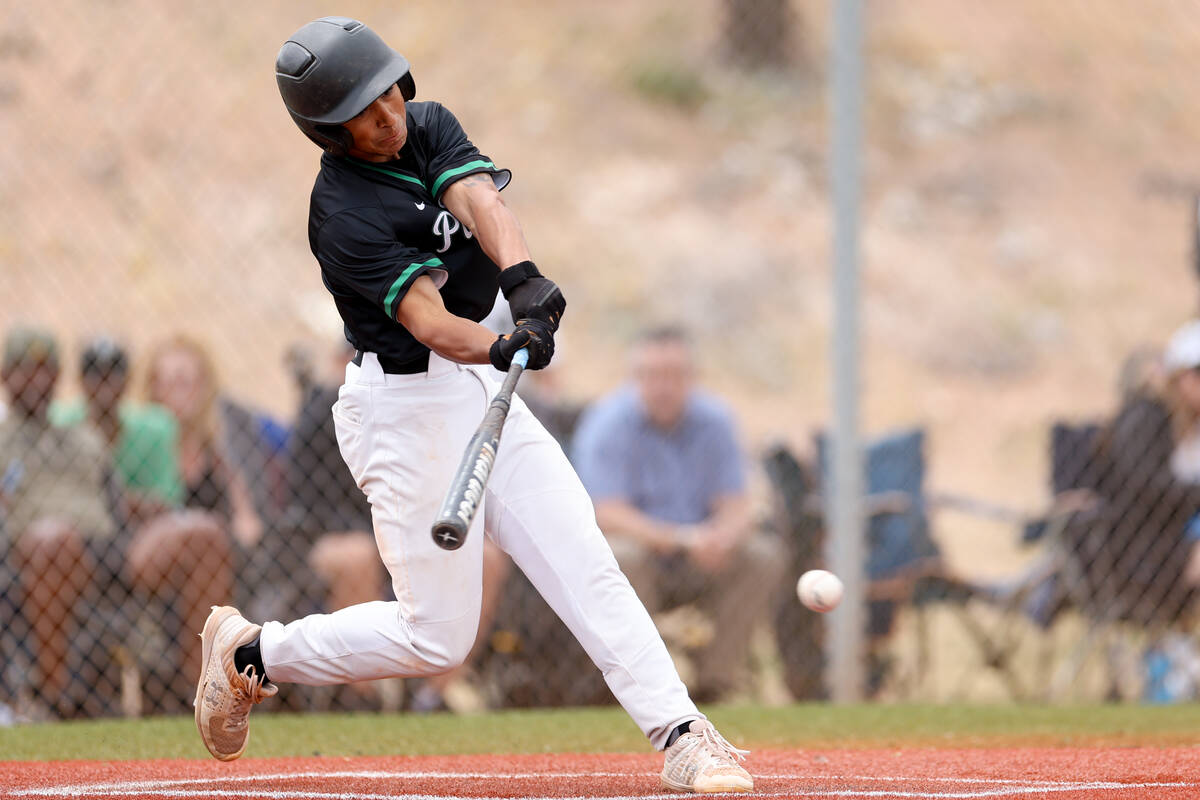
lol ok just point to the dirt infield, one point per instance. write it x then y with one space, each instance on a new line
1065 774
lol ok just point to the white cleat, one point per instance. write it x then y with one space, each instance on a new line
702 761
224 696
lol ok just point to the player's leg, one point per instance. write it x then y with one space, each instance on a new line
538 511
401 436
431 695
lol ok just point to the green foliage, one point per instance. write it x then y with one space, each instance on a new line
669 84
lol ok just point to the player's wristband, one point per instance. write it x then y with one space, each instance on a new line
517 274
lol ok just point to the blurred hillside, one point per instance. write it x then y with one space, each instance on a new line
1029 178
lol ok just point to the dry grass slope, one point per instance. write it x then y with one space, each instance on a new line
1028 178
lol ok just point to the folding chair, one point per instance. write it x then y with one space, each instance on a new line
905 568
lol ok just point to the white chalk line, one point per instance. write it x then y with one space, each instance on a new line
1000 787
798 792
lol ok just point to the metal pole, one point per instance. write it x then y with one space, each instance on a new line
845 528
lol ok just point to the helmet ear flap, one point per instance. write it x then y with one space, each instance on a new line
337 140
408 87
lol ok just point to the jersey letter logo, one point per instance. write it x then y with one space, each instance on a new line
446 225
420 206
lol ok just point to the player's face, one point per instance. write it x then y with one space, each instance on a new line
380 130
663 372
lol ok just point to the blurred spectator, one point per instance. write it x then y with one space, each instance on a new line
143 438
1181 362
1134 548
57 527
182 378
662 464
181 558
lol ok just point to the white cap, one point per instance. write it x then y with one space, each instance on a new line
1183 351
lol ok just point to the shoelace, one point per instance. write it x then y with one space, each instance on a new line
720 747
249 688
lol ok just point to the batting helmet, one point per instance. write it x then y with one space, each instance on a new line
332 69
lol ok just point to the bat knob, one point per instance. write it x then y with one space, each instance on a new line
447 536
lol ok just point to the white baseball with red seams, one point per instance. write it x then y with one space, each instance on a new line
820 590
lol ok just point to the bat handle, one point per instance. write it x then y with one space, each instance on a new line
521 358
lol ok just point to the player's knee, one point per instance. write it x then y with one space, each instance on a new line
444 647
457 651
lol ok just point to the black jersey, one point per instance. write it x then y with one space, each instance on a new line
376 227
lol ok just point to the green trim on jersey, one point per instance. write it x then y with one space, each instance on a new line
387 171
450 173
404 276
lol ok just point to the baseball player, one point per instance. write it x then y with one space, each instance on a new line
412 238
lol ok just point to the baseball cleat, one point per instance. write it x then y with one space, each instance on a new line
224 696
702 761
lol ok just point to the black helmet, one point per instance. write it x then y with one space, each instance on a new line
332 69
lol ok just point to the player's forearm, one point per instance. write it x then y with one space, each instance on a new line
500 235
458 339
422 312
618 518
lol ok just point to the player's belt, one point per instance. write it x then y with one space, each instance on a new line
393 366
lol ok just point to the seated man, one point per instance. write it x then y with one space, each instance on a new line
661 462
57 528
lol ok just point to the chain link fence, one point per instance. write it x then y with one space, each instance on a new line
1029 230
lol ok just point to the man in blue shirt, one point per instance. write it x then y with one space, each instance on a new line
661 462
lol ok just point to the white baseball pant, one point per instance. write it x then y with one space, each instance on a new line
402 437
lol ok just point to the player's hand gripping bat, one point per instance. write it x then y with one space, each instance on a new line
466 490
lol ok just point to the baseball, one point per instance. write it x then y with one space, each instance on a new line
819 590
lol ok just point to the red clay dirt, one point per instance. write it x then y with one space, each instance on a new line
977 774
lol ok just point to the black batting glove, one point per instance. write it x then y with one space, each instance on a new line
534 334
531 296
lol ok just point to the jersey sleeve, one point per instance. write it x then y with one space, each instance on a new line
453 156
360 250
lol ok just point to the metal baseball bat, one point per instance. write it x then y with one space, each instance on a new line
466 490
